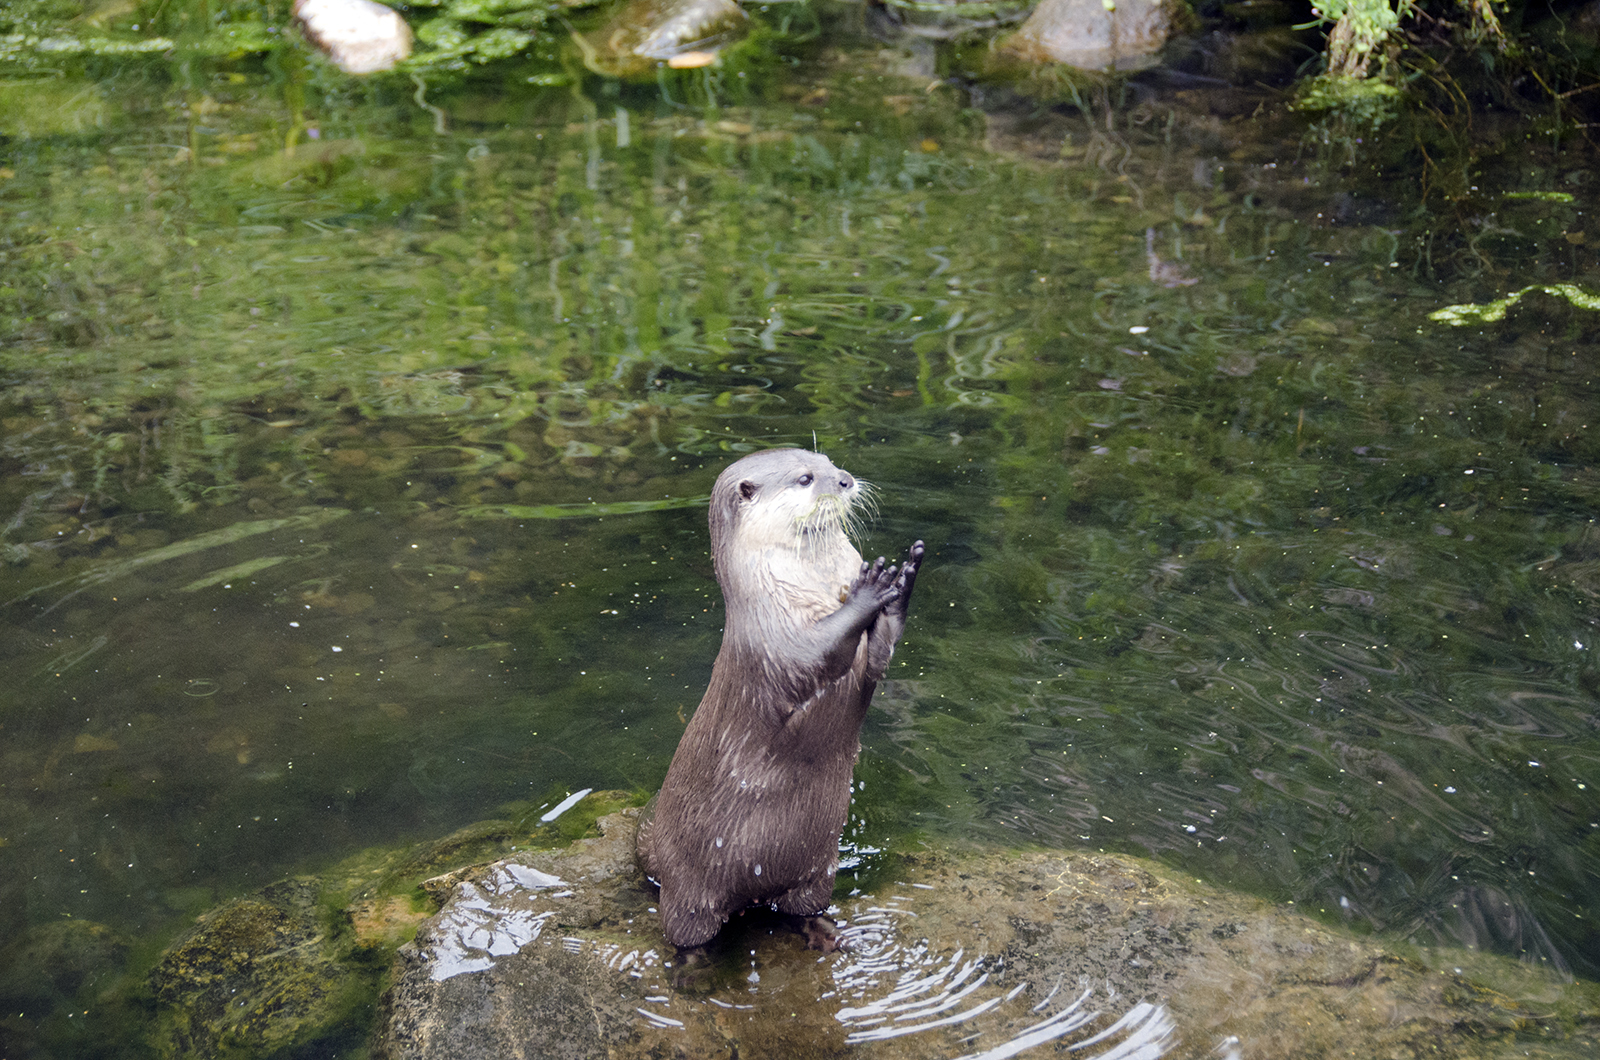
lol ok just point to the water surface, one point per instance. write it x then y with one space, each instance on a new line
354 492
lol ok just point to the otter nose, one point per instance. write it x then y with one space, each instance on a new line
845 482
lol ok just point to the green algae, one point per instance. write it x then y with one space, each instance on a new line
1489 312
261 976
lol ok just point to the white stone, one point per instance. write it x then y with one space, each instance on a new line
360 36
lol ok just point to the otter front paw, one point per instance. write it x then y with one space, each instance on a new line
908 572
876 587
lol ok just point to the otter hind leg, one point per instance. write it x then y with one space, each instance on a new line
685 925
807 899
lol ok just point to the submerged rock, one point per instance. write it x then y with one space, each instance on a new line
254 977
560 954
1094 35
679 33
360 36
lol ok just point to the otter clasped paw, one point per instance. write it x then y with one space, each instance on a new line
877 585
908 572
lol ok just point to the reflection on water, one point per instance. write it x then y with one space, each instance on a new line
901 987
349 495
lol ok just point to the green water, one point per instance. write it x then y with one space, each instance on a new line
351 494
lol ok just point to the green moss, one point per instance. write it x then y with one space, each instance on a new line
260 977
1537 1001
1360 101
384 872
1488 312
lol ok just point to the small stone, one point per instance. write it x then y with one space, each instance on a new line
360 36
1094 35
693 60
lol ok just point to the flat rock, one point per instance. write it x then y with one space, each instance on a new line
560 955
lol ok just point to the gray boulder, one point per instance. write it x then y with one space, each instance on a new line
560 955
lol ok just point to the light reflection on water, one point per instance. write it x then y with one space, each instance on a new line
901 985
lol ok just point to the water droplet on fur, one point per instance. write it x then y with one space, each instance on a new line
758 870
719 842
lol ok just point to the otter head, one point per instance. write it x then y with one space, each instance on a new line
783 499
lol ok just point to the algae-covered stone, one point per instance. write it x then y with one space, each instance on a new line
296 966
648 32
559 953
256 976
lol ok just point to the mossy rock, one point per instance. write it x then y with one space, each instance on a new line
258 977
298 965
560 954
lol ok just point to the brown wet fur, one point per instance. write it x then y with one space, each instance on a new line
765 763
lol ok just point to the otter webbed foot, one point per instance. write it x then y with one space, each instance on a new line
687 926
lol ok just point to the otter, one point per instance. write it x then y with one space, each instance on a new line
755 799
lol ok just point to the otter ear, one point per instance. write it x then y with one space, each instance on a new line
747 489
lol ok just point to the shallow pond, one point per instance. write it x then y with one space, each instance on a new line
355 492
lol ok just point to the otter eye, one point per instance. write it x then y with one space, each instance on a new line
806 480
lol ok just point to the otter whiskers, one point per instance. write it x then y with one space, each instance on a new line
836 513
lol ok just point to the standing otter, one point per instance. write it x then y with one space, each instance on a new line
757 793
